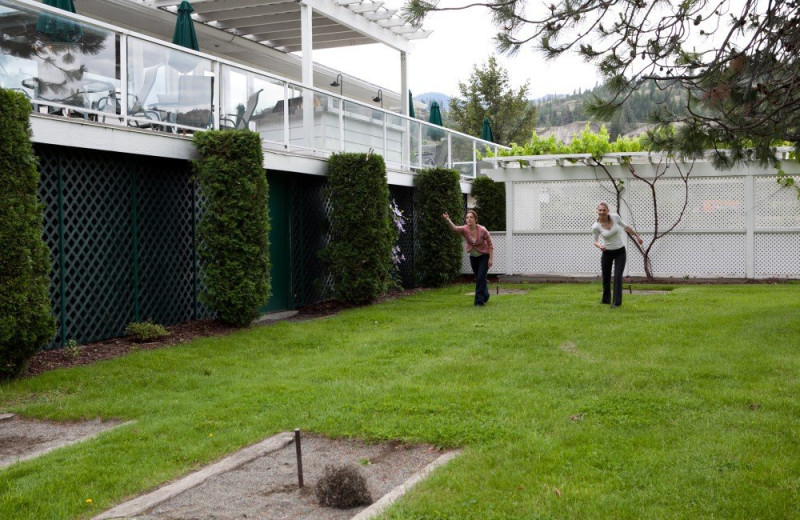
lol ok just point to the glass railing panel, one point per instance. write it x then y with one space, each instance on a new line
433 146
363 128
251 101
415 149
461 154
396 140
168 88
296 99
65 67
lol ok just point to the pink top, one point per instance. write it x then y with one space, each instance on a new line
482 242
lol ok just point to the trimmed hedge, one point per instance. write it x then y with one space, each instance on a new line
26 320
438 259
490 199
359 255
234 228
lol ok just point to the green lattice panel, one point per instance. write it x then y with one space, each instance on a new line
165 243
311 207
48 194
404 198
98 245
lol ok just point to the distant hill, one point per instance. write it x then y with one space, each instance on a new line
562 115
428 97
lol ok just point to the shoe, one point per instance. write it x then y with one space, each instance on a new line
487 298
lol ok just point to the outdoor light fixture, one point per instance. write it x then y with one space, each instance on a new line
379 97
338 82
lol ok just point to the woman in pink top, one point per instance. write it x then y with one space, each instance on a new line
481 250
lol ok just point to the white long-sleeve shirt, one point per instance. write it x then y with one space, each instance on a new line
613 238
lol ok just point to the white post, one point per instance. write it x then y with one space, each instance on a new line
749 226
308 74
509 227
404 103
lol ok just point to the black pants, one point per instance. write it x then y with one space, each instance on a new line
617 257
480 266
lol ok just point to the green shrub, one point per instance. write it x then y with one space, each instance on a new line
438 259
234 228
26 321
359 255
143 331
491 203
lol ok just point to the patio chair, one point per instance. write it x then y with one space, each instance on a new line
244 113
136 101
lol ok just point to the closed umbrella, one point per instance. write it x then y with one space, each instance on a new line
410 104
59 29
486 131
184 36
184 28
436 119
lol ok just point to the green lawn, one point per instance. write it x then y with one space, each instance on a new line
675 406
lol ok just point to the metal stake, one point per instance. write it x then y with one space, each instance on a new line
299 450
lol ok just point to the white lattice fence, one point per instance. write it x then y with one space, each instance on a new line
737 223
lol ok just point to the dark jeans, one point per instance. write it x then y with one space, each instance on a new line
616 257
480 266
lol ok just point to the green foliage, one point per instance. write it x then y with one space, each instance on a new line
26 322
491 203
143 331
438 259
596 144
234 228
362 231
488 93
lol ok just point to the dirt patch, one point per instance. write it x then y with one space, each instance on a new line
22 439
266 487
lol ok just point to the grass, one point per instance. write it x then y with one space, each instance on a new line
674 406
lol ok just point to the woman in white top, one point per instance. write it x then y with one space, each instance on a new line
611 229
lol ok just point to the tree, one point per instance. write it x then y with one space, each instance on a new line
26 321
362 232
488 93
737 61
234 226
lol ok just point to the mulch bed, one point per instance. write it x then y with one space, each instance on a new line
89 353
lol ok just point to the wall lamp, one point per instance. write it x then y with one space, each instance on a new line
379 97
338 82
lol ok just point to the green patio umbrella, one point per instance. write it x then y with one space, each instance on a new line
436 119
486 131
184 28
59 29
410 104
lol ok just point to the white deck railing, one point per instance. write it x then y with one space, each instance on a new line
96 71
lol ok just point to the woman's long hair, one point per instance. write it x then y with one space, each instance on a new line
601 203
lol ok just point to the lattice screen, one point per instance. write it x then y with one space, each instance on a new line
714 203
777 254
126 230
558 205
404 198
775 207
567 254
311 208
694 254
166 248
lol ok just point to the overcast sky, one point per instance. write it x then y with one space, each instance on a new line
460 40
